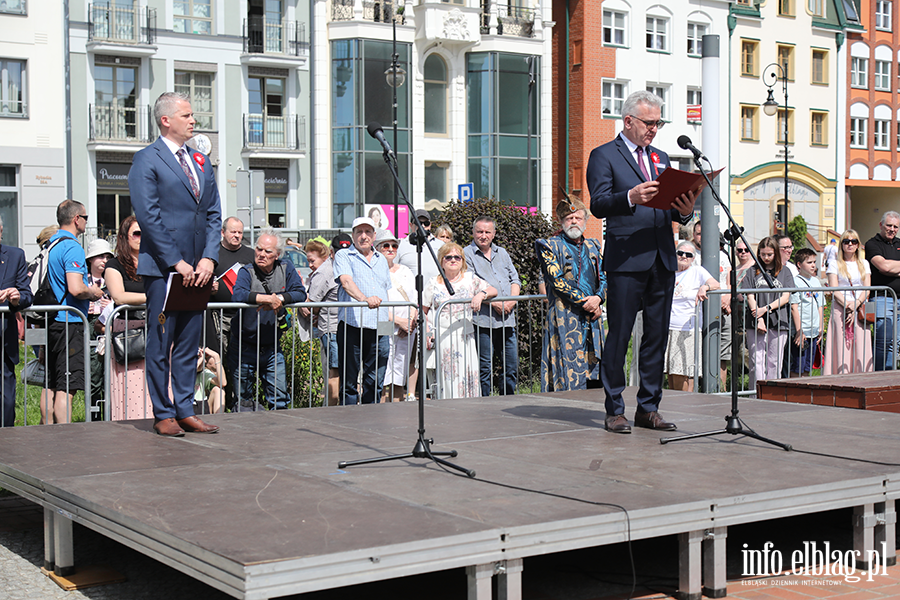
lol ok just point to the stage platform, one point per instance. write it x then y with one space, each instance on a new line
866 391
261 510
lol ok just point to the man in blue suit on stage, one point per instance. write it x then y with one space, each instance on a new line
638 257
16 294
176 202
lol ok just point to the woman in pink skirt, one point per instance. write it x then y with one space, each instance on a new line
128 394
849 345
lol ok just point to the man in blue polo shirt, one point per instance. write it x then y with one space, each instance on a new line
71 284
362 275
495 323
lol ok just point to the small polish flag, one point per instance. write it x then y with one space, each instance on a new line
229 277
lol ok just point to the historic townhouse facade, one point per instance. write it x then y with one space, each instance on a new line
245 65
807 42
32 119
872 168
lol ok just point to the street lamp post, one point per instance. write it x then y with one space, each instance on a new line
771 75
396 77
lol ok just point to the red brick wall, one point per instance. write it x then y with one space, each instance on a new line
587 128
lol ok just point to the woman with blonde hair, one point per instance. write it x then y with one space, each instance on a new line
457 354
849 346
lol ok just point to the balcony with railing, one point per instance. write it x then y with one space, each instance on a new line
116 124
511 20
376 11
281 40
265 134
111 24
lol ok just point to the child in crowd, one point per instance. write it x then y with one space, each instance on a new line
209 393
807 313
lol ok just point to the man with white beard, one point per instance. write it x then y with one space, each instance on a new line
576 287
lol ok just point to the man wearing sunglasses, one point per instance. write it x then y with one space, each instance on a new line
71 283
639 257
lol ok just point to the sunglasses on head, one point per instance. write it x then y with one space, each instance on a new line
390 245
453 257
741 250
848 242
685 254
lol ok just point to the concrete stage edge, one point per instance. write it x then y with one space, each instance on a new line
261 510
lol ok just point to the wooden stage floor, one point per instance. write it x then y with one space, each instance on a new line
261 510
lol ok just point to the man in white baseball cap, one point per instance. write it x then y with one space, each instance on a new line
363 276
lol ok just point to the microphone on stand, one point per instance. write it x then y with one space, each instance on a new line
375 130
684 142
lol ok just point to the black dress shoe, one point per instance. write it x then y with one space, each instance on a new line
168 428
653 420
617 424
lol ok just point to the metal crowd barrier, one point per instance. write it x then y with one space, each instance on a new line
878 341
36 336
445 327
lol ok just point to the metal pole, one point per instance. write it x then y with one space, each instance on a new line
784 83
394 65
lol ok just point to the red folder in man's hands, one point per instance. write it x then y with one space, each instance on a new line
673 183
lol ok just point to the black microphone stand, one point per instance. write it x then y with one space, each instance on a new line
733 423
422 448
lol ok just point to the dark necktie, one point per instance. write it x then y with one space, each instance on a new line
187 171
640 159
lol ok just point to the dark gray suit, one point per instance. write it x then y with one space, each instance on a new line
640 264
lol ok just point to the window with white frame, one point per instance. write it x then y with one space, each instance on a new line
881 134
436 87
12 88
9 204
817 8
882 75
657 33
695 33
663 92
694 97
614 27
883 13
858 132
192 16
200 88
613 97
859 75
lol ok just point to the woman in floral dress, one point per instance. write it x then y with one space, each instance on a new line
456 350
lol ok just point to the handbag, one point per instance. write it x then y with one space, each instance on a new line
128 336
818 359
35 372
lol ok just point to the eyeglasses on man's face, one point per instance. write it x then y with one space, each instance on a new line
650 124
685 254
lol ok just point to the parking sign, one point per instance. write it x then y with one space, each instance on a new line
466 192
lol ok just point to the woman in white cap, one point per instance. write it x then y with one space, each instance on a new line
98 253
403 287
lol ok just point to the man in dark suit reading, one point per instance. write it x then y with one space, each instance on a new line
176 202
638 257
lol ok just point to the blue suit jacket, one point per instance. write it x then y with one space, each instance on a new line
634 235
174 226
13 273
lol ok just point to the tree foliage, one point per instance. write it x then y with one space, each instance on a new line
796 230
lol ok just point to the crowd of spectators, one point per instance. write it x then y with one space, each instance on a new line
370 354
